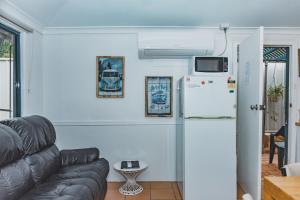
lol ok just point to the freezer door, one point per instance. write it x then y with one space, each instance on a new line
209 97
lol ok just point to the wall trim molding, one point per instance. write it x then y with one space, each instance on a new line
118 29
137 29
115 123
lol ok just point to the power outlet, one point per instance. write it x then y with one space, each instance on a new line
224 26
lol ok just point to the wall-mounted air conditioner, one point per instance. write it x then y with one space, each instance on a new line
174 46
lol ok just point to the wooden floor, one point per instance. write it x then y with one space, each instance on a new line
152 191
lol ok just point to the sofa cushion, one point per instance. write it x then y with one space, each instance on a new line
10 145
78 156
36 132
64 189
44 163
15 180
97 170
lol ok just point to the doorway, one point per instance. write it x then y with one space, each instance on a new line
275 117
10 88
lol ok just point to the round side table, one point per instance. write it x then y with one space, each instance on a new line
130 187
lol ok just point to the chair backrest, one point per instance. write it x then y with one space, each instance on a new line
292 169
281 132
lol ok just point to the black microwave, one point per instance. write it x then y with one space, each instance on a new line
209 65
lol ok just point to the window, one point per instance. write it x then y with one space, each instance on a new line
10 88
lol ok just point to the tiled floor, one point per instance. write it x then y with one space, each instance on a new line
152 191
267 170
169 190
270 169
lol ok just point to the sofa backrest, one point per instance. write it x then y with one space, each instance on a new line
38 137
44 163
37 133
11 148
15 174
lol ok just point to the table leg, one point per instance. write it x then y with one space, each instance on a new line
131 187
272 149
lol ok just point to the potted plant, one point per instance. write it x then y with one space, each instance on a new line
275 92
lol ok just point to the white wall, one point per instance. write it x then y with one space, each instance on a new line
118 127
32 73
59 69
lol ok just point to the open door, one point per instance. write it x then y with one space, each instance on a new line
250 113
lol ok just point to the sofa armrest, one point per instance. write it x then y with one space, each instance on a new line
78 156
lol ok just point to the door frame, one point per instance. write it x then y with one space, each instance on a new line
281 40
286 95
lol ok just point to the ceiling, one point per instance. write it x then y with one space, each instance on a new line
238 13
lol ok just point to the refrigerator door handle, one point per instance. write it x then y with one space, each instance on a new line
210 117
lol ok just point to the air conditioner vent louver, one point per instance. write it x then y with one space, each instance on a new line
175 52
175 47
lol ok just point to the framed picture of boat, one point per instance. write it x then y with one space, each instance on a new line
110 77
158 96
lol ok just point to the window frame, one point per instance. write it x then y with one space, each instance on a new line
16 91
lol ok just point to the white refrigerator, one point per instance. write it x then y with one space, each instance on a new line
206 138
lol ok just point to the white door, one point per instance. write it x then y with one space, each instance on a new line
249 117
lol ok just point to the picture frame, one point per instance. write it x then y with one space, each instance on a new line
110 76
158 96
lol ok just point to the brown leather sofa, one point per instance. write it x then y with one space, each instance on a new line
32 167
